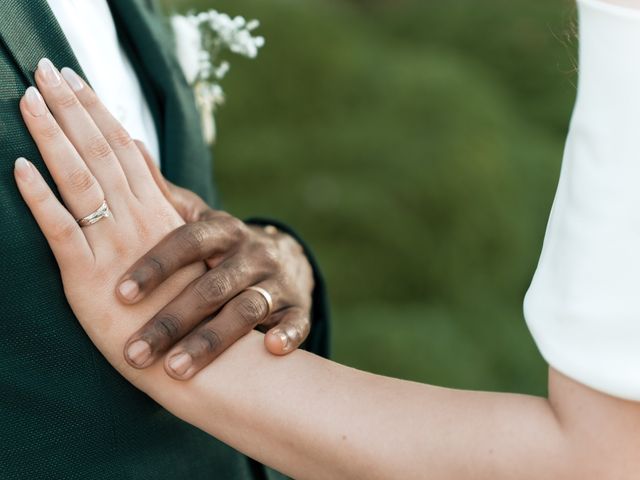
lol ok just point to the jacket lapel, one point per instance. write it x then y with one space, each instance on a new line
186 159
30 31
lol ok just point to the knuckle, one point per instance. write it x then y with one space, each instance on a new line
66 100
120 138
50 131
271 256
98 147
148 271
209 339
62 232
167 326
41 195
193 236
80 180
213 287
155 266
268 255
251 310
235 229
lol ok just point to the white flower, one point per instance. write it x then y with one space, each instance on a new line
200 39
188 46
222 70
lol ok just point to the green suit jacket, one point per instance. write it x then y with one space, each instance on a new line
64 412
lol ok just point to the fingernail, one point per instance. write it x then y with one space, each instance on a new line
294 335
23 169
129 290
35 102
72 78
180 363
283 337
139 352
50 75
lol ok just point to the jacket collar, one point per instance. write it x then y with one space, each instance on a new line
30 31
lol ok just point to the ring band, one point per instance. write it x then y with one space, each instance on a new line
266 295
102 212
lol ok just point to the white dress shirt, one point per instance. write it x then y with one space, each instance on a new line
583 306
91 32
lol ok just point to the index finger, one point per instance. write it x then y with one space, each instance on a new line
187 244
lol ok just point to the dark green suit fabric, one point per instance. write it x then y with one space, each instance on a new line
64 412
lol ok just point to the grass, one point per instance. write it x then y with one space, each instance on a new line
416 145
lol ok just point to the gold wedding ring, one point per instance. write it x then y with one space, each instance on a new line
266 295
94 217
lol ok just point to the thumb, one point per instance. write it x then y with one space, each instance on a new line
291 330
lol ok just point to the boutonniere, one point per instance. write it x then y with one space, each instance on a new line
201 40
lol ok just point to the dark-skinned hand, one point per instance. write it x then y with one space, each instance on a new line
216 310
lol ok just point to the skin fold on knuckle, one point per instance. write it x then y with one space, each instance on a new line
62 232
49 130
164 329
150 271
272 258
80 181
98 148
203 346
193 236
212 288
66 101
251 310
120 138
210 341
263 258
39 194
235 230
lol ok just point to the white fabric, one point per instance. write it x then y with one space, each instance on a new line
91 32
583 306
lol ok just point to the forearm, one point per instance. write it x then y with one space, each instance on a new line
312 418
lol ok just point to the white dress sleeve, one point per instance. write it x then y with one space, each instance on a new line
583 306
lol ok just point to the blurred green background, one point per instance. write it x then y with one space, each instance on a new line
416 145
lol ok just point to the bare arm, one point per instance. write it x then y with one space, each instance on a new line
344 423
